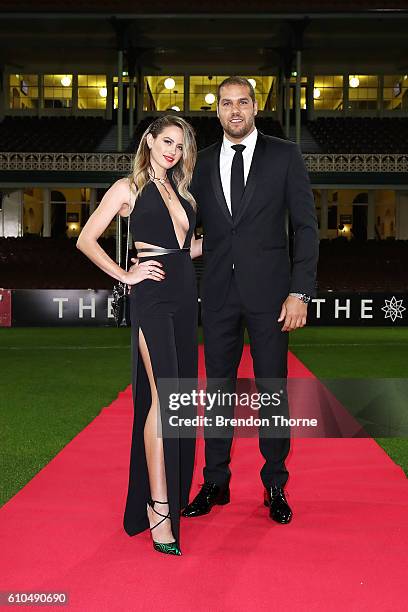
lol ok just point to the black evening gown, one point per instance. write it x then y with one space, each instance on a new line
166 312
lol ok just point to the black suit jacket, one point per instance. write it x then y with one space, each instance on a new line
256 242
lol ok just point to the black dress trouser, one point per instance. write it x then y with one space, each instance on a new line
223 346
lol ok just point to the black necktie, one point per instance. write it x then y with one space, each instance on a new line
237 179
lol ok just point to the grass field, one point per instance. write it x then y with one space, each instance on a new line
55 381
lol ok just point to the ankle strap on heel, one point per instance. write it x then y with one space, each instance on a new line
151 503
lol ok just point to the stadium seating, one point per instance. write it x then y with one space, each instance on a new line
51 263
361 134
52 134
208 129
363 266
84 134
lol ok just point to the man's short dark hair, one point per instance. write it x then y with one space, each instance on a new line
236 80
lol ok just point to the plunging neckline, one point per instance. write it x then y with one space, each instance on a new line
171 218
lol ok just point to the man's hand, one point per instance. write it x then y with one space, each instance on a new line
294 312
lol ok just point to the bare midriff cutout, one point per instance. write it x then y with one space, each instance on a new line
145 245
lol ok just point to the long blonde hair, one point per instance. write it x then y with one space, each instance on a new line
182 171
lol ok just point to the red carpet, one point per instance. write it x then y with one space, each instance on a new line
345 549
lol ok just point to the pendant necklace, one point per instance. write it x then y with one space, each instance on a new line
162 181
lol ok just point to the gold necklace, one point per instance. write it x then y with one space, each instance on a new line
163 182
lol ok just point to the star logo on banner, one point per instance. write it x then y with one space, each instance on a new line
393 309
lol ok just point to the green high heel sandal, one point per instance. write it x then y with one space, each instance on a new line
169 548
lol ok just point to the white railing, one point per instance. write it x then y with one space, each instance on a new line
121 162
356 162
68 162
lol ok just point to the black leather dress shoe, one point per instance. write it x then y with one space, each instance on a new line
209 496
279 509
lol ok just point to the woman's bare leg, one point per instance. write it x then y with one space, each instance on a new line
154 455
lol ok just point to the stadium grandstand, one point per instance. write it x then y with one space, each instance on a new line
78 93
350 120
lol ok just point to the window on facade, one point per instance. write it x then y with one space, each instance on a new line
396 92
328 92
57 90
203 92
332 217
162 93
363 91
125 82
265 92
92 91
303 85
23 91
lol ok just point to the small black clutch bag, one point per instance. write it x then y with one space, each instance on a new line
120 294
121 305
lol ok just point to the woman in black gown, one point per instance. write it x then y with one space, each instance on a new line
163 300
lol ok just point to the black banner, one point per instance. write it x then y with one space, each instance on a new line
360 309
62 307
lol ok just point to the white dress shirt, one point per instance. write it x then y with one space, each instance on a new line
226 157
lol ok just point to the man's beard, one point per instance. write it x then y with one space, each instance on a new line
241 133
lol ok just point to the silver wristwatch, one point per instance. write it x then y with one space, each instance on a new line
301 296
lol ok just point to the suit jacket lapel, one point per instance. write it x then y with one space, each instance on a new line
251 183
217 185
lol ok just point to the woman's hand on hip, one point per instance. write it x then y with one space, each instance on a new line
141 271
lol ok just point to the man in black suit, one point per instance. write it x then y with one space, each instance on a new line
246 187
